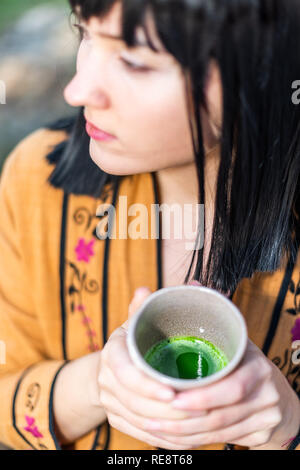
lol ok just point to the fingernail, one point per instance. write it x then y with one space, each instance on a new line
165 394
152 425
142 291
178 403
194 283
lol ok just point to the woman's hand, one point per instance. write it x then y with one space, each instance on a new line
129 396
254 406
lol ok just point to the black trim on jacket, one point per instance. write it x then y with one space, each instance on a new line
62 271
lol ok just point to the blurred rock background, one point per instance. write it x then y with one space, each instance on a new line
37 60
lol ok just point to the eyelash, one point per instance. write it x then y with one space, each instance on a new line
83 34
133 67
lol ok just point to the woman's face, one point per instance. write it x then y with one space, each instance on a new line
144 109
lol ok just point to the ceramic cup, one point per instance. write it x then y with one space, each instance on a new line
187 310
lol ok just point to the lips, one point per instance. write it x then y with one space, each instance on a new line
96 133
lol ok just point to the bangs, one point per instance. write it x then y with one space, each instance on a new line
133 16
187 30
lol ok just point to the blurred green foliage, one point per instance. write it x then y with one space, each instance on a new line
10 10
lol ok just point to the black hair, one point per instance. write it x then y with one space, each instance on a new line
256 46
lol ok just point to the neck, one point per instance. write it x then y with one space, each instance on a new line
180 184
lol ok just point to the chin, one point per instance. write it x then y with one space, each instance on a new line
105 164
111 170
115 172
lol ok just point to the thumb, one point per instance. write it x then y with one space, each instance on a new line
193 282
138 299
140 295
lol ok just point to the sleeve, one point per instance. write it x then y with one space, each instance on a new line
27 376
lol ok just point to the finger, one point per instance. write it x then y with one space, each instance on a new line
262 423
122 425
255 439
140 295
145 407
117 358
112 405
219 418
229 390
193 282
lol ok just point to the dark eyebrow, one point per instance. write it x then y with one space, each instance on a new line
138 43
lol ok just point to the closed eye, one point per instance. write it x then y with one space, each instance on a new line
83 34
135 67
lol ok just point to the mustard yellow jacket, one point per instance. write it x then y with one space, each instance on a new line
64 290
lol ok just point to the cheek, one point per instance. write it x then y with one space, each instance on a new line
160 114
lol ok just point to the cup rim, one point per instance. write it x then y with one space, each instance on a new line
178 383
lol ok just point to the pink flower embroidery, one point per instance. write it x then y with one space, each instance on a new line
34 430
296 330
84 250
86 320
91 333
94 347
80 307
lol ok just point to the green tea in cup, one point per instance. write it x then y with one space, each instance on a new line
186 357
187 336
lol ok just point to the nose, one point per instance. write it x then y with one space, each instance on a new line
86 87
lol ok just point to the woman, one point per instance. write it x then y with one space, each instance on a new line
194 99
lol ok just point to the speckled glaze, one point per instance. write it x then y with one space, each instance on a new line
187 311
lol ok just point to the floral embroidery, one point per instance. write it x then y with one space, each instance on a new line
33 396
91 333
78 285
84 250
296 291
289 369
34 430
296 330
286 364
